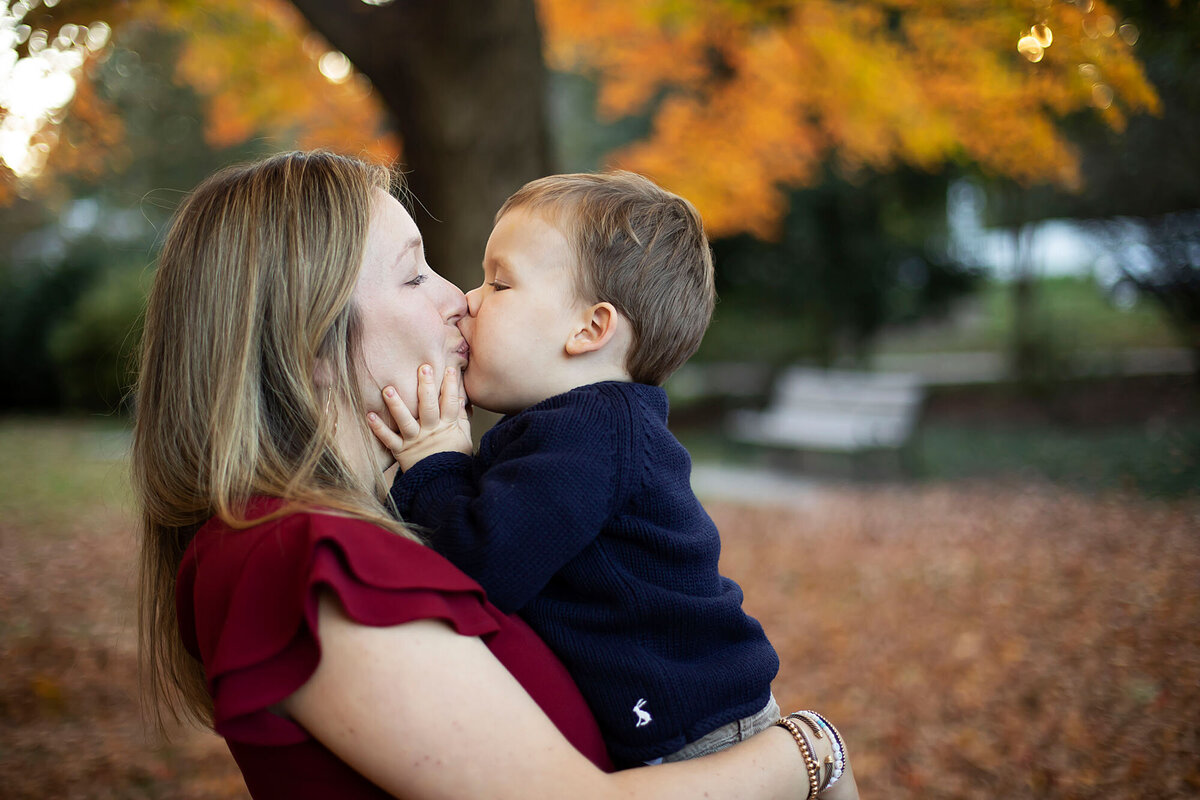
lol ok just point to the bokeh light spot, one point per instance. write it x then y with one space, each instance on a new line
1042 34
335 67
97 35
1029 47
1129 33
36 89
66 35
1102 96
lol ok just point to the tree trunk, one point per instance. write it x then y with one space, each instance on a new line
465 82
1025 341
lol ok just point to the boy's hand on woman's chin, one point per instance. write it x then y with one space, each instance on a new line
441 425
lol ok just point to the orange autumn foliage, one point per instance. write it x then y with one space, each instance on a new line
749 97
255 63
258 65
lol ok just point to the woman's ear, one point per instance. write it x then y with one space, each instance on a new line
322 374
598 326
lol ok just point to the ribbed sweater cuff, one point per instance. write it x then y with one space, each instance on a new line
430 484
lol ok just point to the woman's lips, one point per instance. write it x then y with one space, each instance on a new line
464 351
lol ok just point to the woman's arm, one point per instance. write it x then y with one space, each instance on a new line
426 713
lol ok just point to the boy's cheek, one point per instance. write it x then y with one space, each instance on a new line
471 385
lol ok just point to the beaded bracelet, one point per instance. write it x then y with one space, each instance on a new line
827 781
810 763
835 739
817 721
839 746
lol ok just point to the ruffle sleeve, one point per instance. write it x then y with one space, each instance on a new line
247 607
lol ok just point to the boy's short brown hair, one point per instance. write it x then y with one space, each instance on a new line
640 248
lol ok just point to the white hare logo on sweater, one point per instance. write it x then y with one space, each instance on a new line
643 716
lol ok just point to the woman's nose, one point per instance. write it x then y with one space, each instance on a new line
454 304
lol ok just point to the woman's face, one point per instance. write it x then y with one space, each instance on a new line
408 314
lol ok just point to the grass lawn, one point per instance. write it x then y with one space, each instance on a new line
972 640
52 468
70 723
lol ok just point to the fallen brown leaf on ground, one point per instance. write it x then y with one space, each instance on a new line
971 641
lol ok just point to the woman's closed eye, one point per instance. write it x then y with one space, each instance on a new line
417 281
498 285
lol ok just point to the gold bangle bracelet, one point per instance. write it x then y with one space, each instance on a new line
814 727
825 775
810 764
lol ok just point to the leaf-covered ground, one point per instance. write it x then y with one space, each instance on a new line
970 640
987 642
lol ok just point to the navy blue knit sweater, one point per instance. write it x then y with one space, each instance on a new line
578 513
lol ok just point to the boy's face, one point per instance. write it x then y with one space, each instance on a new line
522 316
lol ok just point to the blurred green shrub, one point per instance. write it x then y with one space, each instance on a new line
850 259
1157 458
34 299
94 347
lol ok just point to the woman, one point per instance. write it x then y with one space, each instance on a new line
279 600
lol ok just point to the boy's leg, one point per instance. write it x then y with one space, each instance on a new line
727 735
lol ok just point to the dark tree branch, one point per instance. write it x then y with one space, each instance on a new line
1168 269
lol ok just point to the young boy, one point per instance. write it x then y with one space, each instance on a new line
578 510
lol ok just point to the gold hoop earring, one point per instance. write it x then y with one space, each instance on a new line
328 405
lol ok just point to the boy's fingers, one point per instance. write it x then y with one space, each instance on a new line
405 424
386 436
464 418
427 397
454 405
450 394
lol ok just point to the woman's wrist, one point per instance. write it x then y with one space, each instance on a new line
833 765
820 749
812 767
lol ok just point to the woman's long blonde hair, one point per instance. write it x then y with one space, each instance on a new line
254 285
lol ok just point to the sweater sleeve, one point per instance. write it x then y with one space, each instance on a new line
544 485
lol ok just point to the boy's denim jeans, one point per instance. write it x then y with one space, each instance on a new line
726 735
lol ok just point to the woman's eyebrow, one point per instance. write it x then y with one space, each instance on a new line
411 244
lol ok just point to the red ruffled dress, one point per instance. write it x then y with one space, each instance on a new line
247 606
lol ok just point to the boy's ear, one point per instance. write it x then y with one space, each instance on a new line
598 325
